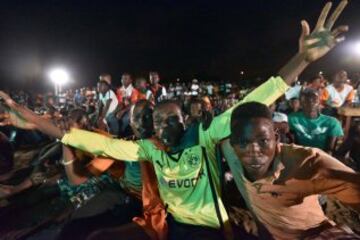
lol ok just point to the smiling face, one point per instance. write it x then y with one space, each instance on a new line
256 147
168 124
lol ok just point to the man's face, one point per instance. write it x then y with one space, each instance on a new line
310 104
295 105
126 80
169 124
340 79
141 84
196 110
103 87
256 147
316 84
154 78
141 121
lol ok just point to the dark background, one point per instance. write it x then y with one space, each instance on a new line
213 40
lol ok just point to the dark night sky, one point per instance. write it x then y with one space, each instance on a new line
185 39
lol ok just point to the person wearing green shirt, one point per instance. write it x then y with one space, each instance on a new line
184 159
310 127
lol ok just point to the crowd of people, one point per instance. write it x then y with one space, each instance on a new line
203 160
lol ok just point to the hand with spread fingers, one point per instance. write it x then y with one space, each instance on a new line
322 39
12 118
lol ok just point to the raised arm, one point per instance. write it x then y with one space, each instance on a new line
24 118
334 179
312 46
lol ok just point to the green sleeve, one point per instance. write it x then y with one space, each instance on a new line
266 93
101 145
336 129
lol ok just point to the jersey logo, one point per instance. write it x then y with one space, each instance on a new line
309 133
182 183
193 161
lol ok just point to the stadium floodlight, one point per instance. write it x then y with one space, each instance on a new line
59 77
357 48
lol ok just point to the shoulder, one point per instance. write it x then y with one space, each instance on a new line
348 87
329 119
307 163
295 116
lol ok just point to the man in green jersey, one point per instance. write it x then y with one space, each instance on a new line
310 127
184 159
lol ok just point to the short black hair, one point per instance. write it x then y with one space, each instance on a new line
243 114
314 78
77 114
167 102
309 92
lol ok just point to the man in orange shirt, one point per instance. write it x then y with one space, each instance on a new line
281 183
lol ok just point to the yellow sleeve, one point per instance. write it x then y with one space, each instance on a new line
267 93
100 145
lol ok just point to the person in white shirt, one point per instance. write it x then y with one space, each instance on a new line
338 94
195 87
108 104
157 89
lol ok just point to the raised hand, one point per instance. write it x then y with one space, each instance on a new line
7 99
12 118
322 39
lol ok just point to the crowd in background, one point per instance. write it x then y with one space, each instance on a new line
306 115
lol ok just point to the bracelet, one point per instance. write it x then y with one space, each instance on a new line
65 163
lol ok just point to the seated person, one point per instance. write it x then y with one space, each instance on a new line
316 83
281 183
142 91
281 126
199 112
337 94
349 151
310 127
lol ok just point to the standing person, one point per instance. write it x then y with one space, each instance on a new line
158 90
195 88
127 95
310 127
337 94
184 159
179 91
209 88
108 104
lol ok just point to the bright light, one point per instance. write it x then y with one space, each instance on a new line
59 76
357 48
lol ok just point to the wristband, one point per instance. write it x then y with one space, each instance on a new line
65 163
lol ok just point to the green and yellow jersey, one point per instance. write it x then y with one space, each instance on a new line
188 175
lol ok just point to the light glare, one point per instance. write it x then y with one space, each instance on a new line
59 76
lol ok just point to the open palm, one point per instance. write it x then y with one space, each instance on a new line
322 39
